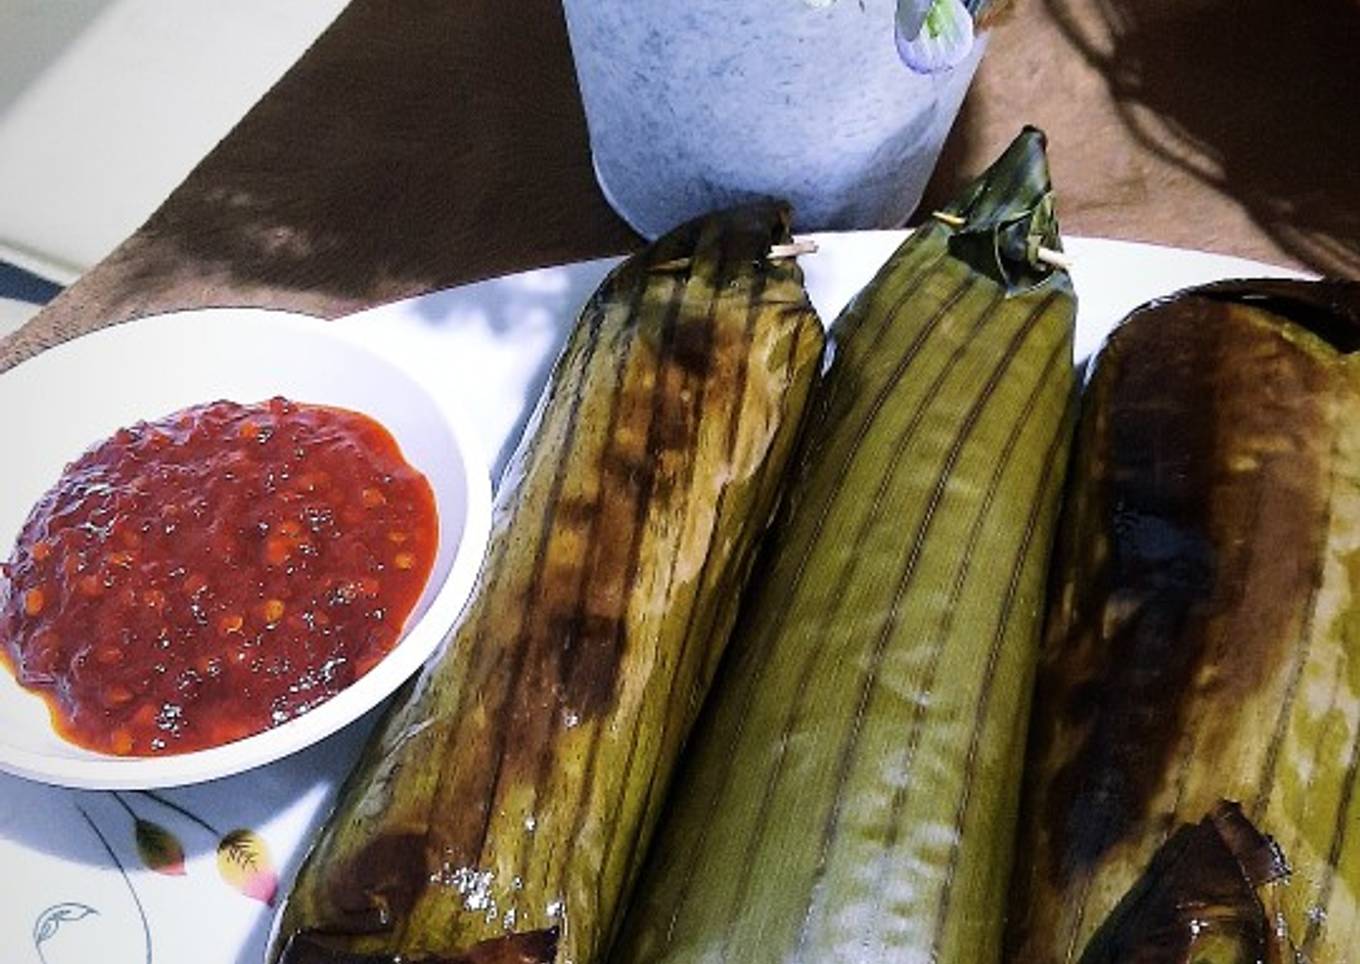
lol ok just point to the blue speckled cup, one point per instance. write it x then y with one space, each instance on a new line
693 105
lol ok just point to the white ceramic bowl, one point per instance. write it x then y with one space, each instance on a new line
68 398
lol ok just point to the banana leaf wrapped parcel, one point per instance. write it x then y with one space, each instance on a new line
502 807
1195 746
850 792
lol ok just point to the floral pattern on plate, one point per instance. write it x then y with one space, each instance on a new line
138 877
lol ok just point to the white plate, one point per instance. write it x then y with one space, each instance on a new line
77 394
493 341
490 344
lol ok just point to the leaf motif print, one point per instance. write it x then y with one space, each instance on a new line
159 849
243 861
51 919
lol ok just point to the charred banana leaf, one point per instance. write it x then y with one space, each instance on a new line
850 793
1202 654
503 806
1210 895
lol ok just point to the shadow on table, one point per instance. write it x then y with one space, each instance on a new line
515 326
1256 98
413 148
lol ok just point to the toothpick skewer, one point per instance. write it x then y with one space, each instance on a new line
1048 256
792 250
1055 258
776 252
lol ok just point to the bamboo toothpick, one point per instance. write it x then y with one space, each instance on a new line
793 249
1055 258
776 252
1048 256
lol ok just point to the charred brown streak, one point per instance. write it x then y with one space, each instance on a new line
1329 309
641 480
531 947
735 399
575 513
537 649
378 886
570 659
1202 885
692 354
1189 387
568 627
836 394
590 655
1161 566
652 486
592 669
393 872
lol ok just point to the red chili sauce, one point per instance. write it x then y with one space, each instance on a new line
204 577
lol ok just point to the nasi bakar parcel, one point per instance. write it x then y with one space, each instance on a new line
503 806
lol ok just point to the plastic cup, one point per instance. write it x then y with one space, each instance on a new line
694 105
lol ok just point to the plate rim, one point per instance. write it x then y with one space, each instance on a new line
108 772
356 328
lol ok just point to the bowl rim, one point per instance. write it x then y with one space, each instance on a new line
108 772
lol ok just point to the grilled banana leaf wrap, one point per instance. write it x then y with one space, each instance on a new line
1190 787
850 790
503 806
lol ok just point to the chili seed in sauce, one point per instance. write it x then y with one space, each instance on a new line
217 572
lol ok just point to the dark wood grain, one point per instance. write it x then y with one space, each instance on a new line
415 146
426 144
1208 124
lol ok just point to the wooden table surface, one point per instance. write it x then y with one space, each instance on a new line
426 144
